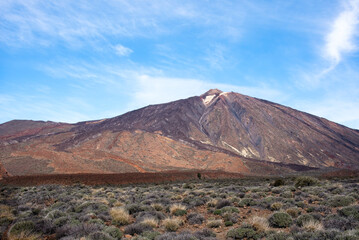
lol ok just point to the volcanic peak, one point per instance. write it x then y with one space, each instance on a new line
211 92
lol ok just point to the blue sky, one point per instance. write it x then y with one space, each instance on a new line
79 60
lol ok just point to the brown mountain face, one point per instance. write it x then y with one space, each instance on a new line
214 131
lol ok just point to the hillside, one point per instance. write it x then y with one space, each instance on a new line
215 131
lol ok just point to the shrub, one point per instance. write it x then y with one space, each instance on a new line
305 181
178 210
259 223
195 218
244 232
229 210
77 231
25 236
217 212
150 221
21 227
55 214
280 220
232 217
99 236
150 235
171 224
157 206
228 223
120 216
246 202
223 203
279 236
335 221
114 232
204 234
351 211
312 226
214 223
341 201
278 182
137 228
134 208
293 212
304 218
276 206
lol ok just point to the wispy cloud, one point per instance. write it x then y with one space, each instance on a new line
341 37
122 50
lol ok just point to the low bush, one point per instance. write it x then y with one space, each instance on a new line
280 220
150 221
100 236
214 223
205 234
278 182
276 206
178 210
223 203
341 201
137 228
114 232
172 224
304 218
19 228
260 224
312 226
305 181
351 211
195 218
244 232
120 216
293 212
335 221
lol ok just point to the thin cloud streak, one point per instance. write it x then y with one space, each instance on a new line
340 39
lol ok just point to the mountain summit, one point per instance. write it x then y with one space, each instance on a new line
214 131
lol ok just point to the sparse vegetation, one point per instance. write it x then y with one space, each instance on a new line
237 209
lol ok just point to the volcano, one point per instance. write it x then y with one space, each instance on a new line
217 130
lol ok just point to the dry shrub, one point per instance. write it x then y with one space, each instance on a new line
312 226
172 224
157 206
214 223
26 235
120 216
150 222
176 208
260 224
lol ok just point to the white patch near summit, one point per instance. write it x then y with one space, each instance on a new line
208 99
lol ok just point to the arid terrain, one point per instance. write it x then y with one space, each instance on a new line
247 208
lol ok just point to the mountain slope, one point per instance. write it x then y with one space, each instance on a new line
227 131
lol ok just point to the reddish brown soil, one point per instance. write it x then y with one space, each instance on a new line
341 173
118 178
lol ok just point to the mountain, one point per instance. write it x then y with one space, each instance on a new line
214 131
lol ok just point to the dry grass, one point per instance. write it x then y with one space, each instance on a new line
26 235
6 212
157 206
150 222
212 203
118 204
172 224
261 224
120 216
176 207
312 226
214 223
